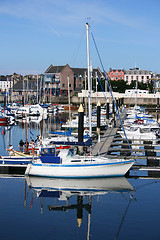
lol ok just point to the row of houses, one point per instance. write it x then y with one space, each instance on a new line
58 80
130 75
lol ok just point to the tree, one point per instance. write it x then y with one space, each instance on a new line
118 86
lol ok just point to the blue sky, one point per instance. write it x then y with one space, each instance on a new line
37 33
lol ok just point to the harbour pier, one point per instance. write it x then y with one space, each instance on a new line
146 153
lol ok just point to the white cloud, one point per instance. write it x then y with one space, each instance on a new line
68 13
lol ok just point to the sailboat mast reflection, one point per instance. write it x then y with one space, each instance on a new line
64 189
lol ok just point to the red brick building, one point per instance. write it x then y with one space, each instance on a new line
56 79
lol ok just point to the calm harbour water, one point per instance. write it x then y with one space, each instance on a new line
119 209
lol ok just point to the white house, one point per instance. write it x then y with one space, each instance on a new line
137 74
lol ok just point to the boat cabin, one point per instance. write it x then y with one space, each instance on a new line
50 155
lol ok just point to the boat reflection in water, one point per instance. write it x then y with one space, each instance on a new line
64 189
79 186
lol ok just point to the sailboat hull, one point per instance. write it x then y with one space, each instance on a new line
89 170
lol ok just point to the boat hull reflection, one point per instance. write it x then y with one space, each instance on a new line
87 186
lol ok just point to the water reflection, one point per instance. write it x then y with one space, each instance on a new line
81 189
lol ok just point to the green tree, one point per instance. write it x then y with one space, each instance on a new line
118 86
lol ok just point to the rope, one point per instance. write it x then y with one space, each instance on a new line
111 92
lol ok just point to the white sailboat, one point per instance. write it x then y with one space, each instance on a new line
65 164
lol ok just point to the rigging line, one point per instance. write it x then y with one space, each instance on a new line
123 218
103 91
102 88
111 92
77 49
145 185
131 198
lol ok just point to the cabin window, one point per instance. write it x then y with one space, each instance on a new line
52 150
44 151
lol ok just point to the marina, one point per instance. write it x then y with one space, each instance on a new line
112 204
79 120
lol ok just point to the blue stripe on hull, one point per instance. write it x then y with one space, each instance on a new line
80 165
82 177
14 162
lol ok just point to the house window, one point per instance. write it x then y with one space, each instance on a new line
80 85
70 85
63 85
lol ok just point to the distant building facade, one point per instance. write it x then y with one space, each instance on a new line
58 80
6 83
137 74
116 74
156 82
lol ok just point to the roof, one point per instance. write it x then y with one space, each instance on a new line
3 78
114 70
77 71
54 69
32 85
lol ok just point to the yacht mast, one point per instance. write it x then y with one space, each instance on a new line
136 93
89 82
37 88
69 102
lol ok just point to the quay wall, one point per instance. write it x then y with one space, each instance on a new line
143 99
129 99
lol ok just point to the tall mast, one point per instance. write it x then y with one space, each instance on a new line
89 82
69 102
136 93
37 88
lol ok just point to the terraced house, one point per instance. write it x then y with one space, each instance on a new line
138 74
116 74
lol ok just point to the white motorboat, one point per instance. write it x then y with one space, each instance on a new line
138 133
30 110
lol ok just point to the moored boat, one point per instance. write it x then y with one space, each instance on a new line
67 164
4 121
